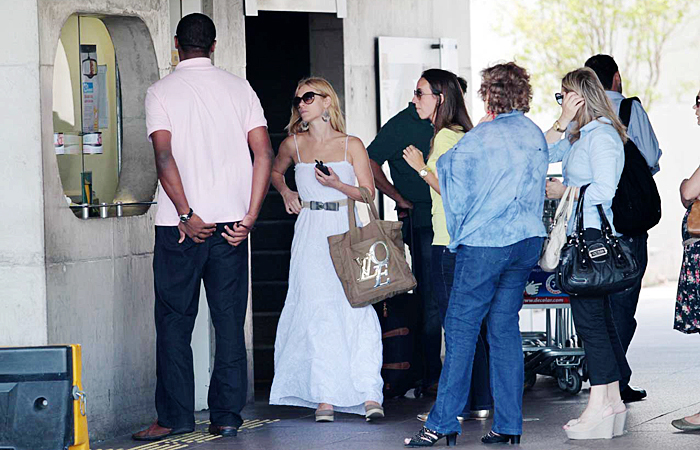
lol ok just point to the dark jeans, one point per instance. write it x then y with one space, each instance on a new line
178 270
624 304
593 319
488 284
420 242
443 274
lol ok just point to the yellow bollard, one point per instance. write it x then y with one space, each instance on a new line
81 438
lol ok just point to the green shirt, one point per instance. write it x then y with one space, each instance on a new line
443 142
404 129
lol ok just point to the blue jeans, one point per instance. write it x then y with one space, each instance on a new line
443 266
488 284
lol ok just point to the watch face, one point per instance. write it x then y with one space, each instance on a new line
423 173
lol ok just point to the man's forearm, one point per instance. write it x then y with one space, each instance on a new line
383 183
261 184
259 142
169 177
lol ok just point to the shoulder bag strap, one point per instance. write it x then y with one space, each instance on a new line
606 230
579 211
564 203
626 110
373 214
578 232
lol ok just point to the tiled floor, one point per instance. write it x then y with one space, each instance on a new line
664 362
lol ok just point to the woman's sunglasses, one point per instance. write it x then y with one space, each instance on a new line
307 98
697 101
419 93
559 97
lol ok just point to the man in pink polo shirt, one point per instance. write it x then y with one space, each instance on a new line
202 121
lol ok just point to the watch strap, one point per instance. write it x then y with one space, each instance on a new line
186 217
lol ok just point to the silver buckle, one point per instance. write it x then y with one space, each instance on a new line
328 206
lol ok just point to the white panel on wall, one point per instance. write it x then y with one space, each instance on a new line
190 6
316 6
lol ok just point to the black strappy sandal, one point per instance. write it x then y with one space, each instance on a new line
495 438
427 437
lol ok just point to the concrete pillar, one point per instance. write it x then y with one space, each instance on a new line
22 271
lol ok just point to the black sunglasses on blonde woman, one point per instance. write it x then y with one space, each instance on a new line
307 98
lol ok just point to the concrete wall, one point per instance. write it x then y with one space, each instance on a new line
22 274
99 280
368 19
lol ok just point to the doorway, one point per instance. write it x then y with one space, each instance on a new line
281 49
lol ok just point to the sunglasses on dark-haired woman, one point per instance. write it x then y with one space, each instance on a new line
307 98
419 93
697 101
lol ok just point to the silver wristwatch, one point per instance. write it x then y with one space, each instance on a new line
185 217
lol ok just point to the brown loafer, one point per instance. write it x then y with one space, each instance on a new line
223 430
153 433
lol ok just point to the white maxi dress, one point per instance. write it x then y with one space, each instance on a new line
325 350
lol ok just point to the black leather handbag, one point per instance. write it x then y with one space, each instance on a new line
595 267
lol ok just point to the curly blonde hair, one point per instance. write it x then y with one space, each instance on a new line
323 87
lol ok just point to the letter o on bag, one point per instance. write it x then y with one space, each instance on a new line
373 253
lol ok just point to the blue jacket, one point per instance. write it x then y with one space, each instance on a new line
493 183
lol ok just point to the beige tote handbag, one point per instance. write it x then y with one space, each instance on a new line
370 260
557 237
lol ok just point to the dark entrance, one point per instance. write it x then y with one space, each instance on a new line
281 49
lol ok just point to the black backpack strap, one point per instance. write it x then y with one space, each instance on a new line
626 109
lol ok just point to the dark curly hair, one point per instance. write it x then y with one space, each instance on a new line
506 87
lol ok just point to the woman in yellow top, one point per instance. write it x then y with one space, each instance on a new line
439 97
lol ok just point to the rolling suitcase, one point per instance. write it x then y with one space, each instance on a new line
400 318
42 403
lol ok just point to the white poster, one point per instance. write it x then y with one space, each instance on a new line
90 88
103 104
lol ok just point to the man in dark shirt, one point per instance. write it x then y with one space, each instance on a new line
412 194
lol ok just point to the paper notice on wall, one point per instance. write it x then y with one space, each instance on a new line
103 104
90 88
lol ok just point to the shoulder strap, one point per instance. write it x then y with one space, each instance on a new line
626 109
297 146
347 138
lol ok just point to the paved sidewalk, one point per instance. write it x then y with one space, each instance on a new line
665 363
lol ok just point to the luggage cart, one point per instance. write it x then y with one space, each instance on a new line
556 351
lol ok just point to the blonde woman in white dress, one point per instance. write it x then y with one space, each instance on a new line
328 355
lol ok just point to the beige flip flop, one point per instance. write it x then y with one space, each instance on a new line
324 415
373 412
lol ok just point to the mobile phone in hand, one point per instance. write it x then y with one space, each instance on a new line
320 166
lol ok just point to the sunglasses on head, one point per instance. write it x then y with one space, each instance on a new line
307 98
559 97
419 93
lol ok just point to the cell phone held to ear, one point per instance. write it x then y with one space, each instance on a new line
320 166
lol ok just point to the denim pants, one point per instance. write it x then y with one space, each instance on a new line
624 304
420 241
443 266
488 284
178 270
